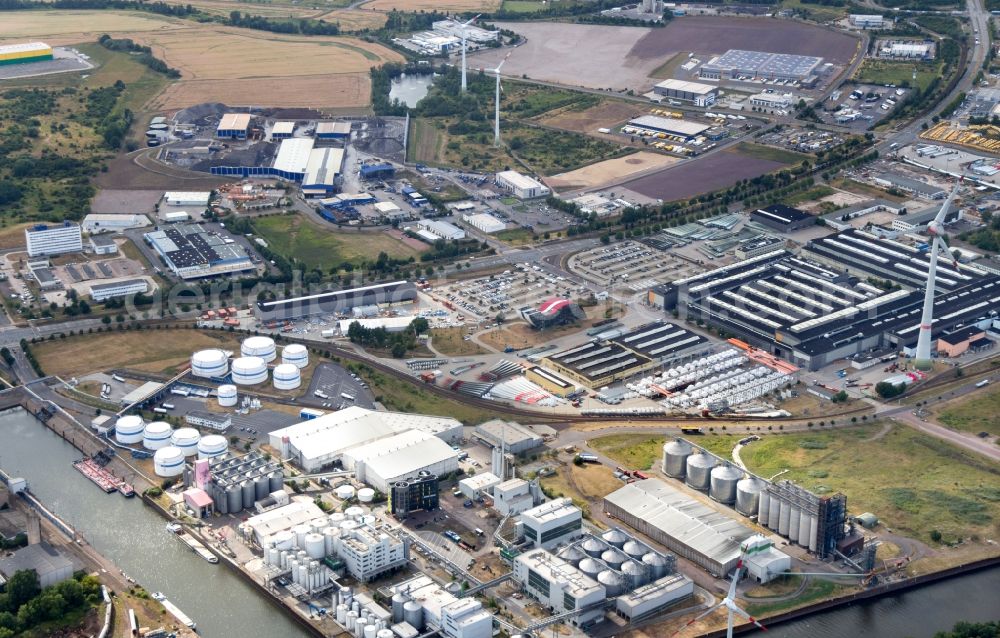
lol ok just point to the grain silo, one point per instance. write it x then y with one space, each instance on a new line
699 469
295 354
615 538
613 582
748 493
723 483
262 347
675 454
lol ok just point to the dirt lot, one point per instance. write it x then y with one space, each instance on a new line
701 176
123 173
609 113
627 57
125 202
433 5
708 34
609 172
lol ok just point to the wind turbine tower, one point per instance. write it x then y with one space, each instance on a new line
729 602
935 229
496 116
464 25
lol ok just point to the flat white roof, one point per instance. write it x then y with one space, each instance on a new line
188 196
327 128
481 481
552 510
408 461
669 124
690 87
486 222
283 128
518 180
22 47
293 155
234 122
386 207
323 166
556 570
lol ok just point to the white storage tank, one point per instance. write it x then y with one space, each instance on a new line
295 354
128 429
211 446
284 539
300 532
262 347
209 363
187 440
249 371
315 545
168 461
366 495
227 395
286 376
354 513
156 435
344 492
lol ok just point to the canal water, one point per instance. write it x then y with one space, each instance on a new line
410 89
134 537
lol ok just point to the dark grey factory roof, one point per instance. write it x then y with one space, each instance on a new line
659 340
42 557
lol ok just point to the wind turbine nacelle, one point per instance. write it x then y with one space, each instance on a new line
935 229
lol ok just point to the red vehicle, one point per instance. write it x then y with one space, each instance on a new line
642 476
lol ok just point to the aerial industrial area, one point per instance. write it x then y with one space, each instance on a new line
475 318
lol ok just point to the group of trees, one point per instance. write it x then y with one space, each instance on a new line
25 605
303 26
988 236
145 54
888 390
398 343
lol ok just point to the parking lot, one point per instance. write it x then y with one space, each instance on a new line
860 106
523 285
330 383
629 263
802 140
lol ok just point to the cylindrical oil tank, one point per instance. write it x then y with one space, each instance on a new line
317 524
211 446
286 376
262 347
724 479
370 631
699 471
156 435
249 371
352 619
209 363
276 481
813 533
128 429
295 354
636 573
635 549
572 555
344 492
341 614
803 535
227 395
675 454
284 540
168 461
612 581
590 567
656 563
593 547
613 558
384 633
354 513
763 506
187 440
330 536
366 495
786 513
315 545
368 519
748 495
793 523
615 538
300 532
398 600
413 613
337 518
234 497
249 493
349 526
774 513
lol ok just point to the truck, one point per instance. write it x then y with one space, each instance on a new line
328 333
159 411
307 414
320 394
588 458
168 406
346 397
983 383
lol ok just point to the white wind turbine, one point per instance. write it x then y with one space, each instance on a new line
729 602
935 229
496 117
464 25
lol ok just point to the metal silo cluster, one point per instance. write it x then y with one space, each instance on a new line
238 483
618 561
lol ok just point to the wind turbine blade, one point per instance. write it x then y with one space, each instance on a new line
943 248
736 578
697 618
939 219
739 612
471 20
502 62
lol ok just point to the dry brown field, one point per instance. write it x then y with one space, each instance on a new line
609 113
432 5
610 172
72 27
355 19
222 7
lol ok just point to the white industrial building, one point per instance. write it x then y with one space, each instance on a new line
471 31
513 497
390 324
100 223
485 222
393 458
335 437
428 607
513 437
43 239
102 292
551 523
265 526
909 50
198 199
441 230
694 92
521 186
102 245
368 553
48 563
762 560
557 584
864 21
478 484
771 102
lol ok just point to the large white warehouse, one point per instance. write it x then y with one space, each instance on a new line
346 436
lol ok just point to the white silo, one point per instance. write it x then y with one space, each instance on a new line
209 363
227 395
187 440
300 532
354 513
344 492
128 429
211 446
284 540
295 354
286 376
262 347
156 435
366 495
168 461
249 371
315 545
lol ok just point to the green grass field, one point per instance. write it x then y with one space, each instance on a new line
884 72
913 482
522 6
758 151
981 413
316 247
